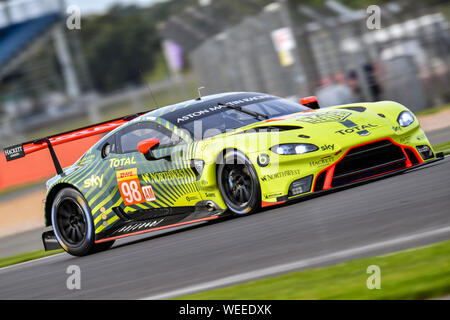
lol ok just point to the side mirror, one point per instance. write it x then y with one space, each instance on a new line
310 102
146 148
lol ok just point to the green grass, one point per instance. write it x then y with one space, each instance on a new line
443 147
433 110
18 258
420 273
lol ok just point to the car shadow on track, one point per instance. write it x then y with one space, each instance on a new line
262 210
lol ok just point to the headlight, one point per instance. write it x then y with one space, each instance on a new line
405 118
294 148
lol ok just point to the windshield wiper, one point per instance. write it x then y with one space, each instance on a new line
251 113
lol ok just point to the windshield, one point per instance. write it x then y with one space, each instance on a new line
225 119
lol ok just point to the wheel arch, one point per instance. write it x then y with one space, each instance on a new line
222 154
51 197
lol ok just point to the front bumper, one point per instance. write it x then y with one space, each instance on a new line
315 193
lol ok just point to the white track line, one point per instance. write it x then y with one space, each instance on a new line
270 271
21 264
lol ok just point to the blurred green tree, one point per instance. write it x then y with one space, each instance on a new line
119 46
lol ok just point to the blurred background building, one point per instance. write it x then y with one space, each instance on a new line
42 73
129 58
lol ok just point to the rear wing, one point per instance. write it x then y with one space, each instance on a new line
23 149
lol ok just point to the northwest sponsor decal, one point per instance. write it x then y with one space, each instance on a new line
278 175
139 226
93 182
14 152
362 129
328 116
114 163
167 175
321 162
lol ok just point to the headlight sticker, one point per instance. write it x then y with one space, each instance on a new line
263 160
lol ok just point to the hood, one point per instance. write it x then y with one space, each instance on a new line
339 126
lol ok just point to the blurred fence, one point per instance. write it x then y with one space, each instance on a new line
333 54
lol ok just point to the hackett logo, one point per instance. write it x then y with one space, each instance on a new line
14 152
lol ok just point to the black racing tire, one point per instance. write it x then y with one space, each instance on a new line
73 224
238 183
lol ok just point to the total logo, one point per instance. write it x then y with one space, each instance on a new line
362 130
114 163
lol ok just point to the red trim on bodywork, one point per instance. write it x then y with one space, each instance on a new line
156 229
268 204
307 100
33 146
330 173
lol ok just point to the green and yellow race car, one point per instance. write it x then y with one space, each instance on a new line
229 153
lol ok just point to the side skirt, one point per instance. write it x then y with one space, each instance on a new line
129 225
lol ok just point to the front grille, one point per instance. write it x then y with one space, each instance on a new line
320 181
367 161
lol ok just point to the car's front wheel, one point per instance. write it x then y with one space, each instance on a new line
238 183
73 224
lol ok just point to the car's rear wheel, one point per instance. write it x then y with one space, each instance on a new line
238 183
73 224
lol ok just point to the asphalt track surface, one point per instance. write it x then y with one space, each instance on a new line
398 212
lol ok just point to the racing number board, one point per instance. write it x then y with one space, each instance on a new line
130 188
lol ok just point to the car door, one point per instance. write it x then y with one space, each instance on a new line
147 186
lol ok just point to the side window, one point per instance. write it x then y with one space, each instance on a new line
109 146
132 135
